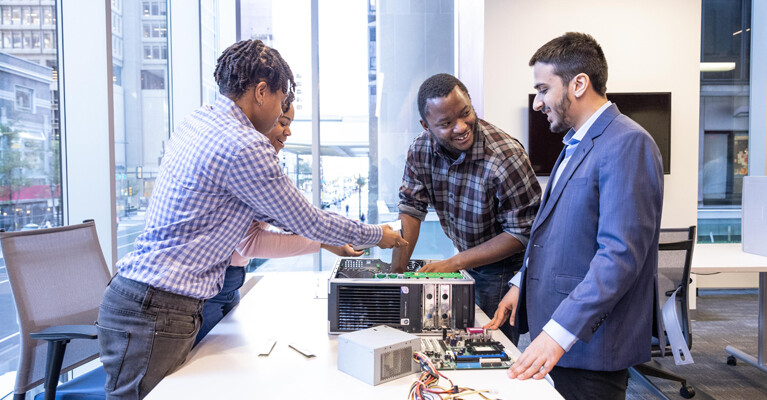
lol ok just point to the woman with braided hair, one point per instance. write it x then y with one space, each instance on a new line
260 242
219 173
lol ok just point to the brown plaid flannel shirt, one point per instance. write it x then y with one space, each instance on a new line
488 190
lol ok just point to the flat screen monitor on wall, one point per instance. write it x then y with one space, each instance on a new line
651 110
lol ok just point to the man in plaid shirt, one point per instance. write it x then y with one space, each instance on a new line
480 182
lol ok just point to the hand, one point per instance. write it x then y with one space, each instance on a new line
396 268
391 238
440 266
343 251
538 359
507 309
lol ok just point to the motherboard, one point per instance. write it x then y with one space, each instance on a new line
473 348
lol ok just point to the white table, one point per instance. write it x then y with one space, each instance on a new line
731 258
283 306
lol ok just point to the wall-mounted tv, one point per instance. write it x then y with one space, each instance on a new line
651 110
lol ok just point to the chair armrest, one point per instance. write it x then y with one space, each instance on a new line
66 332
58 336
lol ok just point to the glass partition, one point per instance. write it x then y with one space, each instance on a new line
370 68
724 118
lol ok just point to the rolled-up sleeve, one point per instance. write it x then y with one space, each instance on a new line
413 195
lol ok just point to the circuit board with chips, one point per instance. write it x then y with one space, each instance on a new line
470 349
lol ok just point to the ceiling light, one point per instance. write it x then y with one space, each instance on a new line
716 66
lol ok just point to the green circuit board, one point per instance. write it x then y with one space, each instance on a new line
466 351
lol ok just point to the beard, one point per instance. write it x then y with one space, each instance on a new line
448 146
561 123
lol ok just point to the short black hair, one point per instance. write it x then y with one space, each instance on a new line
248 62
437 86
574 53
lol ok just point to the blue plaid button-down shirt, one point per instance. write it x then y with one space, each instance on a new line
217 176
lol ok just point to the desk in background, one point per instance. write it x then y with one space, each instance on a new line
283 306
731 258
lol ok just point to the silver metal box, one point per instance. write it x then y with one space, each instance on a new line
363 292
379 354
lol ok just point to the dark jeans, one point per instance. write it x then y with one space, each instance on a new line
216 307
491 282
144 334
582 384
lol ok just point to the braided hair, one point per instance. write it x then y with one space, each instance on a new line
249 62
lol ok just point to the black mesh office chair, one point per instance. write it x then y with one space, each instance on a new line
58 277
674 263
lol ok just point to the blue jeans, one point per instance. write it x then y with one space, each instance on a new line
144 334
216 307
491 282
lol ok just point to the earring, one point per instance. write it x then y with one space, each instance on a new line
260 103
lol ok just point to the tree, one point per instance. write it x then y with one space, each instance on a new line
303 172
11 166
361 182
54 177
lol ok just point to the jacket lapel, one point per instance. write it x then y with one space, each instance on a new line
584 147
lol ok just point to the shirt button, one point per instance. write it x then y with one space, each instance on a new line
450 195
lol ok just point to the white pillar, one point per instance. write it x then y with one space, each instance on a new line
87 117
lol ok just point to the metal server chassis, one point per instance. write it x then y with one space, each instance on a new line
363 293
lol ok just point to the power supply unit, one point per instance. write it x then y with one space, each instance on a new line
379 354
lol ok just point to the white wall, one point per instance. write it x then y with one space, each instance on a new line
651 46
470 14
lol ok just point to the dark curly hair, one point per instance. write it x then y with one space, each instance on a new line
574 53
248 62
437 86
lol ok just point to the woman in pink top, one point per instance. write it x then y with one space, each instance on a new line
259 242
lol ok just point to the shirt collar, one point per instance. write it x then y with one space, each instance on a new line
574 137
477 150
226 105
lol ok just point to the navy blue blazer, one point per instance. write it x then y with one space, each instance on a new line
592 259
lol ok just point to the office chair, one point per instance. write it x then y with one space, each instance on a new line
58 276
671 301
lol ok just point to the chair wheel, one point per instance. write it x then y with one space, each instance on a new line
731 360
687 392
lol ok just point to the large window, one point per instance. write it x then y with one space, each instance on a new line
372 121
140 76
366 122
30 166
724 117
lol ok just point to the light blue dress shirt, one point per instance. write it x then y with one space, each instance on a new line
571 140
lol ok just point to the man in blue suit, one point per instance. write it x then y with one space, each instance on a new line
585 292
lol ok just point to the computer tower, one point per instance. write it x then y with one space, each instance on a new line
363 293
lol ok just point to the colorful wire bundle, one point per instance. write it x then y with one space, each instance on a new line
425 387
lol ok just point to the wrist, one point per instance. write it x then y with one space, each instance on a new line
454 263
